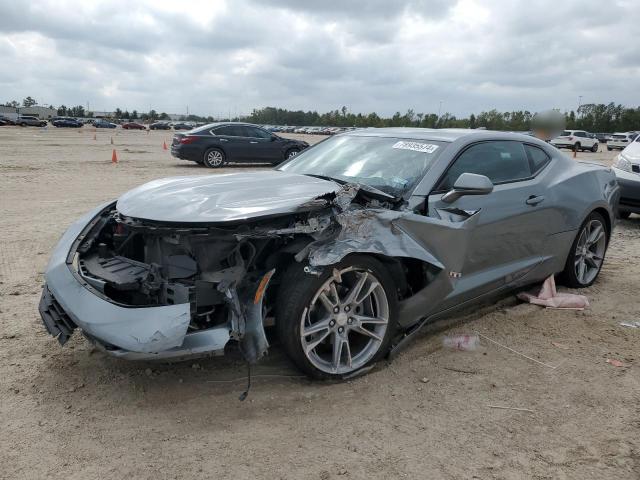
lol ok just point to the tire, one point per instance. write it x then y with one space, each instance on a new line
292 152
623 215
587 253
608 149
577 147
305 300
213 158
594 149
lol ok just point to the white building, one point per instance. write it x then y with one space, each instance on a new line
44 113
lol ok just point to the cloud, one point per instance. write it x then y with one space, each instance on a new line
368 55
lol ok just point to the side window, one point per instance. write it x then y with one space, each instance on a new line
537 157
581 134
501 161
230 131
257 132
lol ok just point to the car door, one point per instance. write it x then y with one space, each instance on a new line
233 140
513 222
263 147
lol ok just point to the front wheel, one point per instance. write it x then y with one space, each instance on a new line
587 253
594 149
213 158
339 322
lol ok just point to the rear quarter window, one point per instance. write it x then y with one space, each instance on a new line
538 158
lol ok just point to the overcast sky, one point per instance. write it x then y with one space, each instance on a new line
370 55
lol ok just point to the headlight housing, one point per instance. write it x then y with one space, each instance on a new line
622 163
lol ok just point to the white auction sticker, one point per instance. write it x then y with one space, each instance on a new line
416 146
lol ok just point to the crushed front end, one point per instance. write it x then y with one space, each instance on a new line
143 290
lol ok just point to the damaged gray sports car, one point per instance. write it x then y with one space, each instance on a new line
341 253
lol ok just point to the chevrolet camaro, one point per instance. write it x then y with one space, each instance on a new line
340 254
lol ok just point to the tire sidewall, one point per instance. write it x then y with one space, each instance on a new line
306 286
569 276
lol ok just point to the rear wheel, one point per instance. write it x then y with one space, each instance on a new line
594 149
577 147
587 253
213 158
291 153
608 149
339 322
623 215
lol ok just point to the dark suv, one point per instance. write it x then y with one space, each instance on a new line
218 143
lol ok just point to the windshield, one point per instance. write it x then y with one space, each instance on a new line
393 165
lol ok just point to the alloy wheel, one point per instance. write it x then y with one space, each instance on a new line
214 158
345 323
590 250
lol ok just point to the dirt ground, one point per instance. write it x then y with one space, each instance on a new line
73 413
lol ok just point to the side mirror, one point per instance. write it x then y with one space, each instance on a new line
468 184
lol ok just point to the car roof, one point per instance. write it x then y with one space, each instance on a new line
436 134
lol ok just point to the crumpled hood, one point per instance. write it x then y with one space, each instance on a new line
222 198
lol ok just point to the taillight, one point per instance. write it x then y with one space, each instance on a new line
188 139
571 139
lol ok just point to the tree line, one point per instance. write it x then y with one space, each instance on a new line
591 117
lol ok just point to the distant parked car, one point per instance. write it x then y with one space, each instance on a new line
67 122
133 126
160 126
6 121
575 140
184 126
30 121
603 137
620 140
101 123
627 170
218 143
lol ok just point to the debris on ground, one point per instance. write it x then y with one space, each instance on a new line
631 324
517 409
550 298
461 342
615 363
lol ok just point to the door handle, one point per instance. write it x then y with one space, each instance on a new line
535 200
224 140
253 142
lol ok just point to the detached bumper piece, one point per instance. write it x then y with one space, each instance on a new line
55 319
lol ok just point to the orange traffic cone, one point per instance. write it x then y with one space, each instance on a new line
164 145
114 156
111 140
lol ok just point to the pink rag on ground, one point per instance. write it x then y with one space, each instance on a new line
550 298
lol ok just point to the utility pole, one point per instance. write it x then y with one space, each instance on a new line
579 103
440 109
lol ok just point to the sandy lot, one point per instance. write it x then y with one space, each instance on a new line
73 413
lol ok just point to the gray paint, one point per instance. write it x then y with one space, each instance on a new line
474 246
221 198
